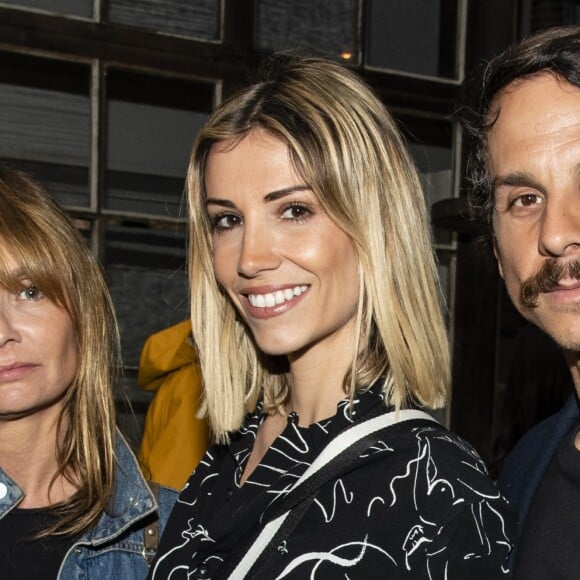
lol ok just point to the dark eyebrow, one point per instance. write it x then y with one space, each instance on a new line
222 202
272 196
517 179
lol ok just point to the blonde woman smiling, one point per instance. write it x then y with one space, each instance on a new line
316 311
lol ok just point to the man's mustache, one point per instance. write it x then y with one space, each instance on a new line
547 279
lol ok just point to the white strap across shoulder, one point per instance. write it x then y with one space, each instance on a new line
341 442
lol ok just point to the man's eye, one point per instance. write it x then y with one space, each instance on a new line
527 200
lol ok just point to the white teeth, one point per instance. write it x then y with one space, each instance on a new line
274 298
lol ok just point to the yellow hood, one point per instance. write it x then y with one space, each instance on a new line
165 352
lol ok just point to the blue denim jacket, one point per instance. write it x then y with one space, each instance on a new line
114 547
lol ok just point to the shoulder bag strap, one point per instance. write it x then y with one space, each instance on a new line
333 459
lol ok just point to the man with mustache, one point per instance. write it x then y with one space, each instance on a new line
525 171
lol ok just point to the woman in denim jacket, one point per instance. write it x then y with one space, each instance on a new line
73 503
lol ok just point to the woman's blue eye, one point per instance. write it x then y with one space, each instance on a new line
30 293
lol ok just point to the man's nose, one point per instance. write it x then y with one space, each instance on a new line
560 227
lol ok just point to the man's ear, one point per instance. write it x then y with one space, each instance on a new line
497 255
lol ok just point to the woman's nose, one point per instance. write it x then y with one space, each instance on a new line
257 252
8 331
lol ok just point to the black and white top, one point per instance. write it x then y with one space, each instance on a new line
417 504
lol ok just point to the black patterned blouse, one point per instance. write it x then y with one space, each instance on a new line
424 507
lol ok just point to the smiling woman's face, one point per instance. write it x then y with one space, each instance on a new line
291 272
38 350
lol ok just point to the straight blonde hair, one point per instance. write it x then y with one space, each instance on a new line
347 148
52 254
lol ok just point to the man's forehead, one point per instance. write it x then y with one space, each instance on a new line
537 113
531 91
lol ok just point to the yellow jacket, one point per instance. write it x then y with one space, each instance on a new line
174 440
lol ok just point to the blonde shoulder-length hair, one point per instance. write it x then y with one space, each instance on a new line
347 148
53 256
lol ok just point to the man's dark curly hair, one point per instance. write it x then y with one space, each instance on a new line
557 51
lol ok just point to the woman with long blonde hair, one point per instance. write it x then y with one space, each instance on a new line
317 315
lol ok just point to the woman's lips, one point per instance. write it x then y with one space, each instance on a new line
13 371
269 302
277 297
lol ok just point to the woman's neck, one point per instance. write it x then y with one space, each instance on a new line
316 386
318 371
28 456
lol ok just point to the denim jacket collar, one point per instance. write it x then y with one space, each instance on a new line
132 499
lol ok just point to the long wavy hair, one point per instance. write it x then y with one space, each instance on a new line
52 254
347 148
